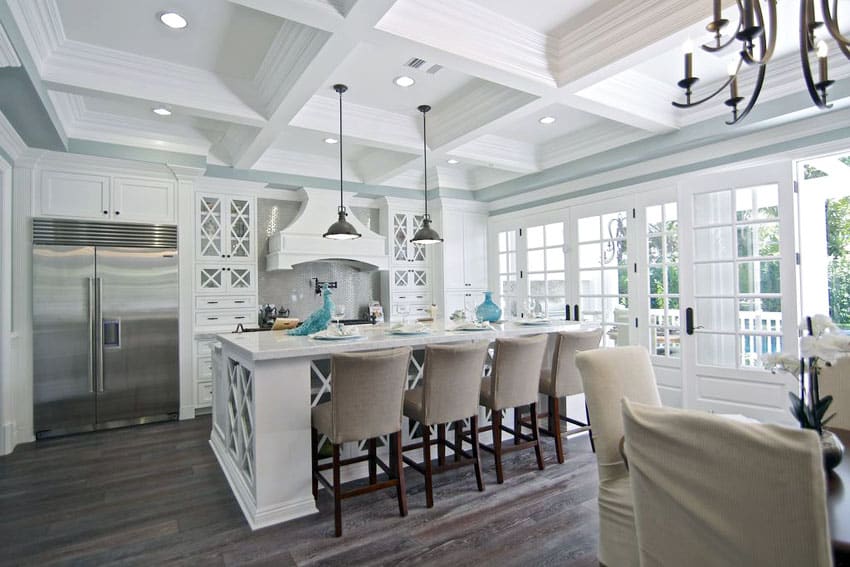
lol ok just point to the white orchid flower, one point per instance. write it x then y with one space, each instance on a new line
786 362
821 347
821 324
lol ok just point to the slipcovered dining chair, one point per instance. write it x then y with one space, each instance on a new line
608 375
449 394
366 403
513 383
709 491
835 381
562 379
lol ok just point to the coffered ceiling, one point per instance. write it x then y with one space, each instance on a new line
249 82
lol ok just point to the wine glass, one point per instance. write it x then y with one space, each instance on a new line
469 307
339 313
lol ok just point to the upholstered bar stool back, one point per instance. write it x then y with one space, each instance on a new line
608 375
516 364
835 381
513 383
712 491
562 379
367 394
452 381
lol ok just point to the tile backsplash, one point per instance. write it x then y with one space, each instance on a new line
294 289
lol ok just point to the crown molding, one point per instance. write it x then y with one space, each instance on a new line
308 165
381 128
505 153
587 142
288 57
85 68
85 163
10 141
8 57
469 30
40 24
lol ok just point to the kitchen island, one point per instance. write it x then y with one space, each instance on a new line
264 386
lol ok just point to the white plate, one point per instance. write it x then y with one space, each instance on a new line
319 337
488 328
533 322
404 332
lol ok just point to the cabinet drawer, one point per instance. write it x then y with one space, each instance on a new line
412 297
204 369
225 319
411 309
204 394
224 302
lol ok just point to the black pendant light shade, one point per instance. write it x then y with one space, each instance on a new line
341 229
426 234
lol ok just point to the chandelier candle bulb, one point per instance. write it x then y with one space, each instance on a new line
748 16
688 48
823 61
717 11
732 69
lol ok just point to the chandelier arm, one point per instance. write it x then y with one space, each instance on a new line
830 18
767 46
707 98
716 48
805 20
753 97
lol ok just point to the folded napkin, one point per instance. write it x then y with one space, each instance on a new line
410 328
341 331
473 325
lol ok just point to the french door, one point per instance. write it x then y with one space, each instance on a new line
737 287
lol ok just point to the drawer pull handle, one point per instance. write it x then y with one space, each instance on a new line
212 302
240 317
212 318
240 302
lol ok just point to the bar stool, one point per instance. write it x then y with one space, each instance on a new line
366 403
449 395
563 379
513 383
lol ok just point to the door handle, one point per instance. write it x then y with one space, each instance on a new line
99 327
689 321
567 310
92 334
575 313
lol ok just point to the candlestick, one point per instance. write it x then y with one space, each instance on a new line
823 61
717 14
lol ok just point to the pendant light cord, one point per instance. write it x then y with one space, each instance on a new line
425 156
341 206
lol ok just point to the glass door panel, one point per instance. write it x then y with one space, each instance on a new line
545 260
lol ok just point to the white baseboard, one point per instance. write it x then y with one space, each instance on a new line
187 412
7 438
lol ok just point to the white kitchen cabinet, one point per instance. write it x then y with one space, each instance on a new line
220 278
406 286
464 250
410 279
225 228
101 197
404 227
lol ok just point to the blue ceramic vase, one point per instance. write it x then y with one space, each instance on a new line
488 311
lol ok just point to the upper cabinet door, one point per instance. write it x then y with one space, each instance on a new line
143 200
210 218
453 250
475 250
74 195
239 225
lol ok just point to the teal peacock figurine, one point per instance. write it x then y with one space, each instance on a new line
319 319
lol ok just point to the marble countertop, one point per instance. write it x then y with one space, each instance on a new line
270 345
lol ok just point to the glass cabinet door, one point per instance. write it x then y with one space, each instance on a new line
210 227
239 228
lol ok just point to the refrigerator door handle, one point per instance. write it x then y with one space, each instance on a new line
92 334
98 345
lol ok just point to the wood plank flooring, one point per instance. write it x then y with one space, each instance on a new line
154 495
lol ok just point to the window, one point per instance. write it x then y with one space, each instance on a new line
546 275
662 252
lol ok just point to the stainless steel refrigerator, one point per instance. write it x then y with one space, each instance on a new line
105 350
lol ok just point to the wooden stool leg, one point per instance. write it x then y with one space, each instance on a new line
337 494
458 439
426 460
441 444
589 430
555 425
314 453
401 487
535 434
497 444
517 425
473 425
373 465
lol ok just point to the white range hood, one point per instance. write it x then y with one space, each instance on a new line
301 241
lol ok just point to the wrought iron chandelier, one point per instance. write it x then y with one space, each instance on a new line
757 31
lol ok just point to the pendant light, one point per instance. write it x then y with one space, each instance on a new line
426 234
341 229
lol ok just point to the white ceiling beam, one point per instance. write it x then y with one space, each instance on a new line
361 17
8 57
373 166
314 13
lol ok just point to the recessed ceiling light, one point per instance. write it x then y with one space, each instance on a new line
162 111
331 140
547 120
173 20
404 81
452 161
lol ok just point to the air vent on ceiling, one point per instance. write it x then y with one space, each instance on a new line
415 63
433 69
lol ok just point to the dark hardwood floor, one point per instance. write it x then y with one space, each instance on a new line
154 495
